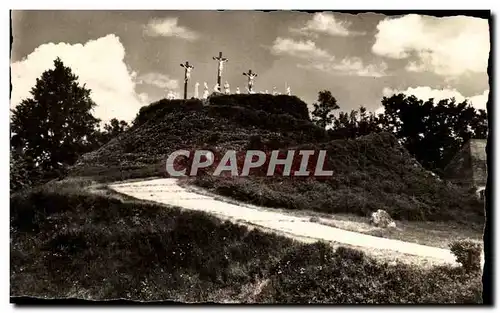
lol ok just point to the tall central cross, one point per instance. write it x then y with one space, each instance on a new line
187 75
251 75
221 61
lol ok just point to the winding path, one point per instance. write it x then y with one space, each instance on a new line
167 191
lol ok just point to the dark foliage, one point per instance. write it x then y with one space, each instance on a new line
317 274
88 246
166 126
467 253
369 173
322 115
432 132
55 125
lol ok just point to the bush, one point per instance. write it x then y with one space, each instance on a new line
467 253
315 273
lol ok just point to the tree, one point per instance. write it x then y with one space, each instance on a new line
322 114
112 130
354 124
432 132
55 125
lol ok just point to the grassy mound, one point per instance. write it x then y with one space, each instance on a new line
166 126
370 173
73 244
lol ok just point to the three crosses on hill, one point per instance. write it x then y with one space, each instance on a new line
217 88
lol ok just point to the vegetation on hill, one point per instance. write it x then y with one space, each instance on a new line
166 126
66 242
370 173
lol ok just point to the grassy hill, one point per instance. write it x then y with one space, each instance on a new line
70 238
166 126
68 242
370 173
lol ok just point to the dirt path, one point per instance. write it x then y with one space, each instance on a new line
167 191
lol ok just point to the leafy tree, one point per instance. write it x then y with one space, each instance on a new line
322 114
432 132
55 125
113 129
354 124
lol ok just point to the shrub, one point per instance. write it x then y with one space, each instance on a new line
467 253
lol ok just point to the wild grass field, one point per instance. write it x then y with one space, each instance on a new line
67 241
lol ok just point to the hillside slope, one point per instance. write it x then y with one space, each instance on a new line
69 242
229 122
370 173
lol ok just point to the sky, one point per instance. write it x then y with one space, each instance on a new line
132 58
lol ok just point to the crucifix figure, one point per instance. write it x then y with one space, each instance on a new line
251 76
237 90
221 62
187 74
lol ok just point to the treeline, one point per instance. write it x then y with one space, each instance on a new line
432 131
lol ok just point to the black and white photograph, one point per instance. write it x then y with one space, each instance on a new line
251 157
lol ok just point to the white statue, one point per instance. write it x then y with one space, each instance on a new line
196 93
170 95
288 91
221 61
275 91
226 88
221 64
217 88
205 90
266 92
251 76
237 90
188 68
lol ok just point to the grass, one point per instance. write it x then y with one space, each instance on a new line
434 234
71 242
370 173
431 233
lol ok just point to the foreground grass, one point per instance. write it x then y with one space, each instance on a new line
67 243
430 233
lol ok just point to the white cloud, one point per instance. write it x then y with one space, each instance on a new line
322 60
169 27
98 63
327 24
349 66
426 93
298 48
159 80
448 46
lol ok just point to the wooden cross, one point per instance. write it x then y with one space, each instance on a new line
221 61
251 77
187 74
